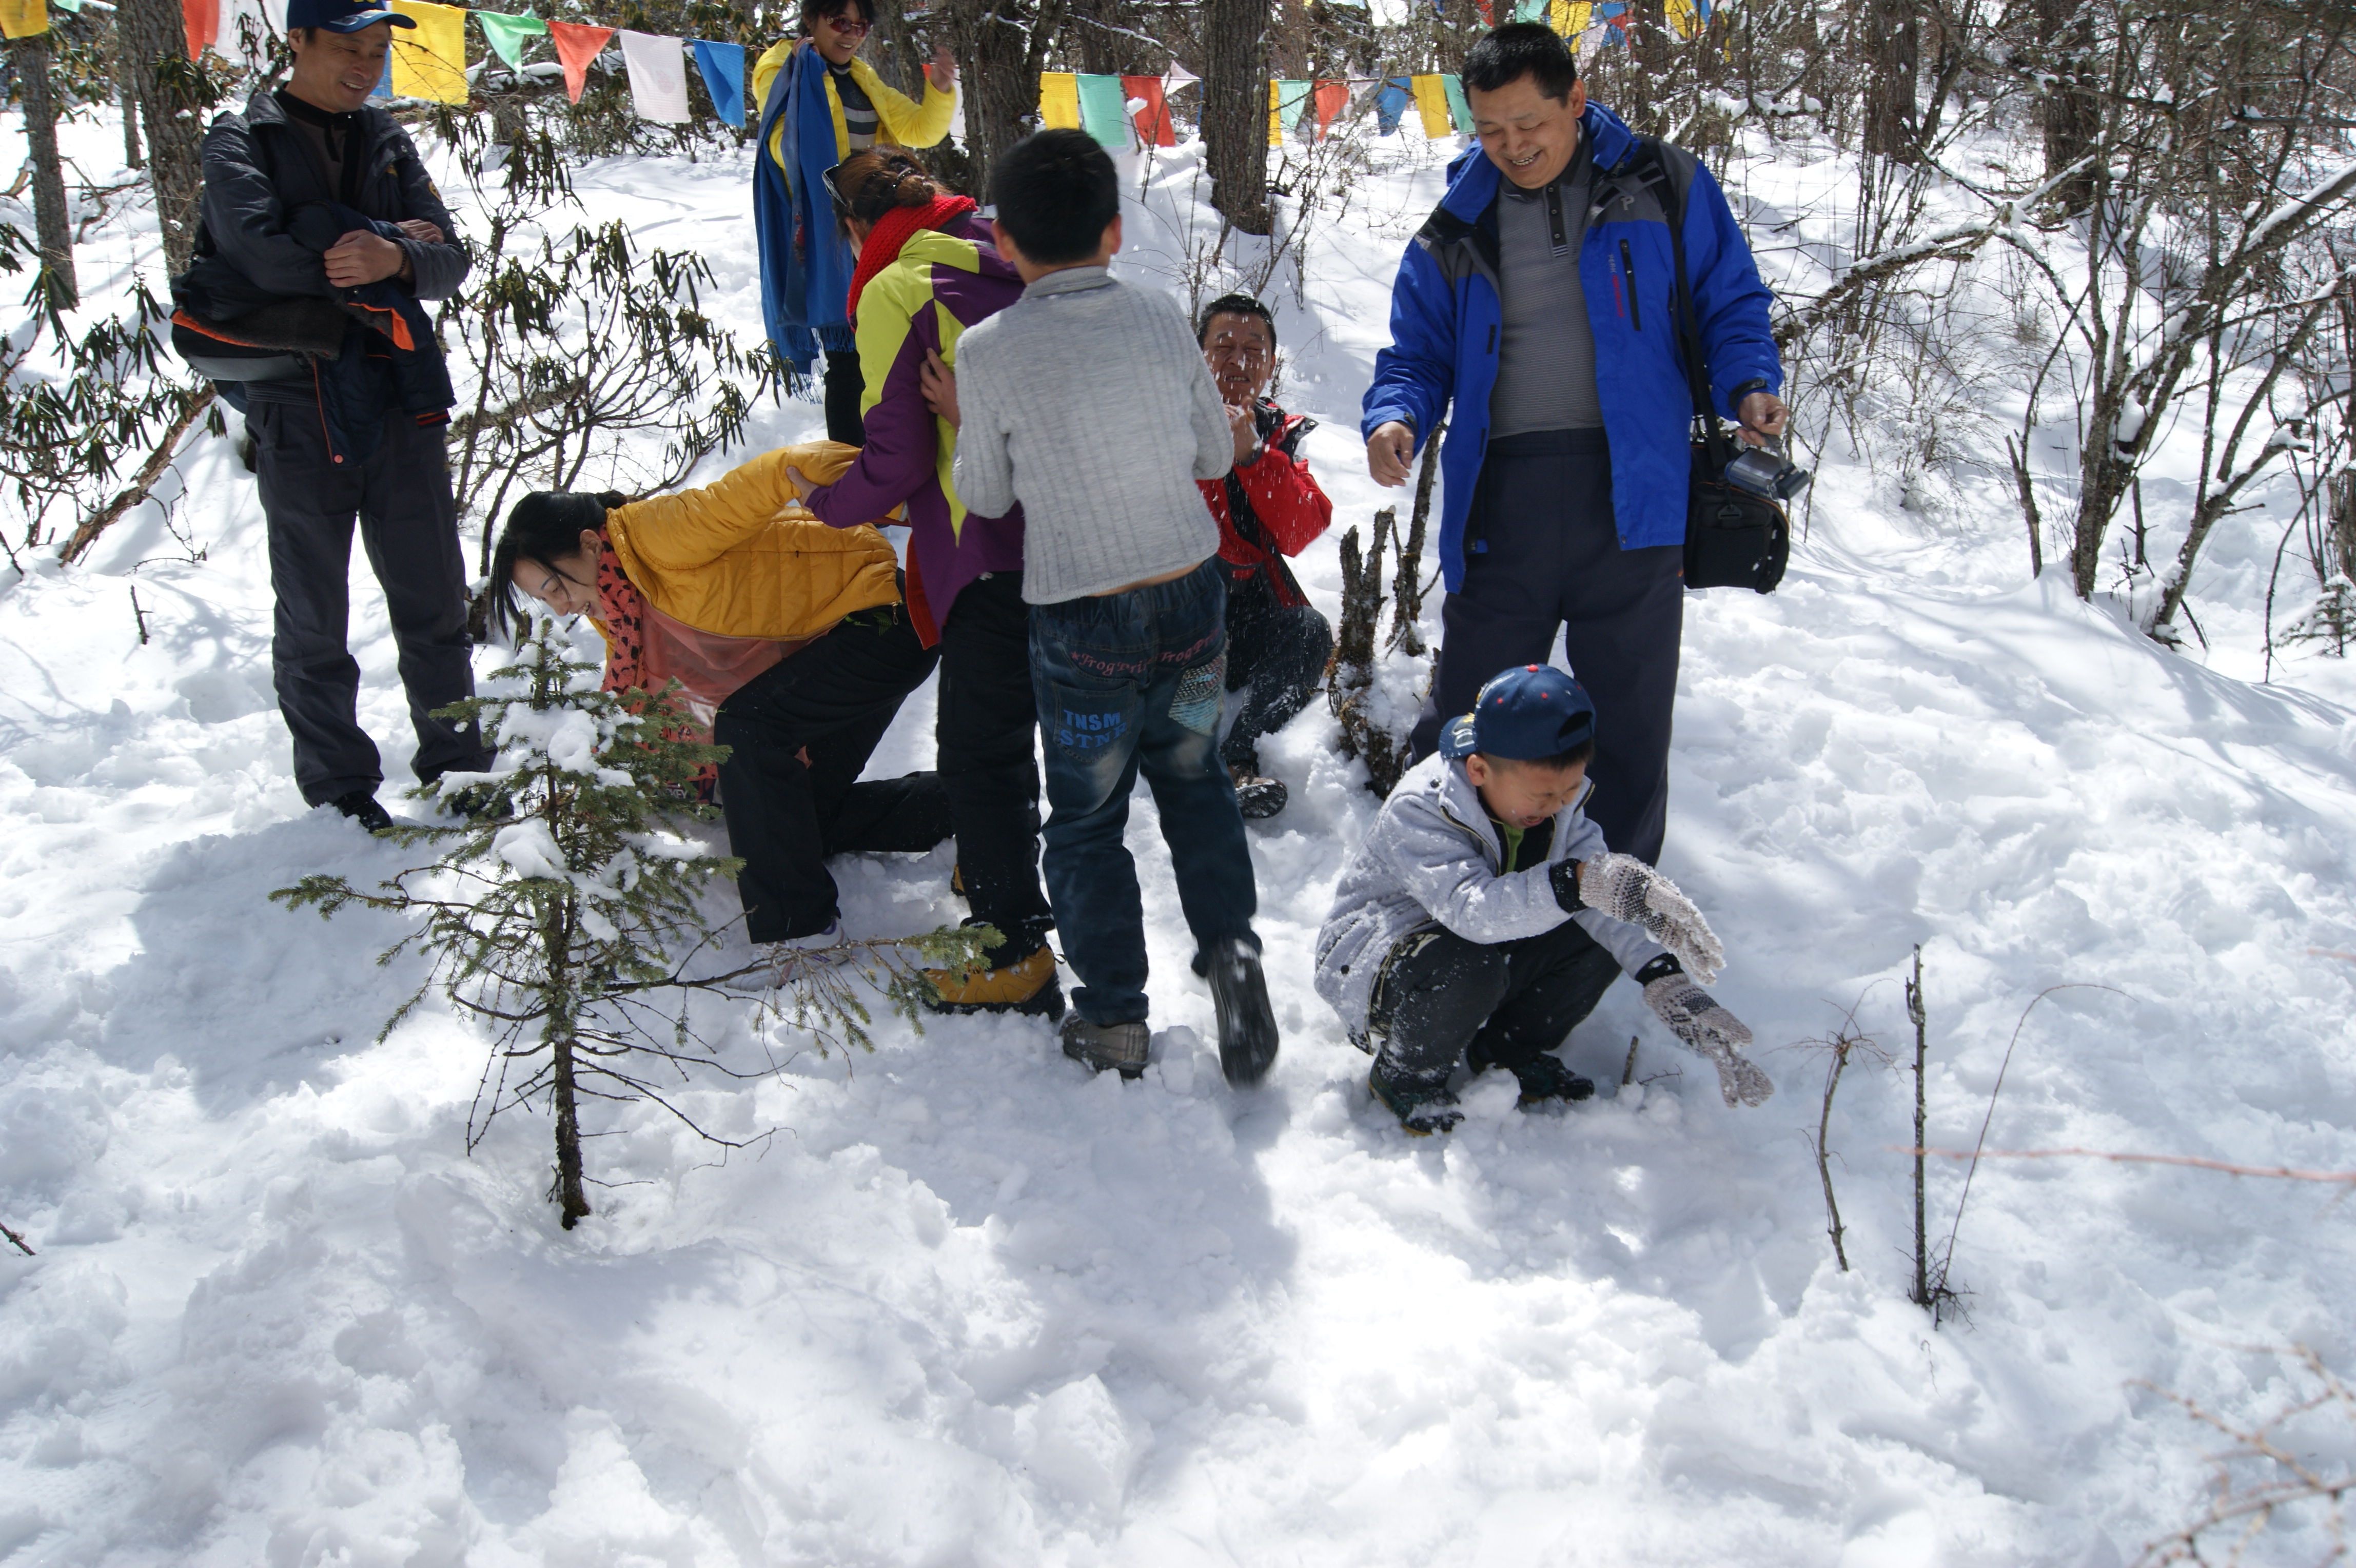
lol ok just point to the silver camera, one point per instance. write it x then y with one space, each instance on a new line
1766 472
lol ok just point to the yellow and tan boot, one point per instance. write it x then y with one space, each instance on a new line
1029 987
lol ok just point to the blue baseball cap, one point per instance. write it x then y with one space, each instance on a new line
1523 715
342 15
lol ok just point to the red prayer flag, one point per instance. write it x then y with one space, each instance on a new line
1488 18
1152 122
202 19
1333 97
576 45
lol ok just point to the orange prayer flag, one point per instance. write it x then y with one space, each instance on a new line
1153 127
1333 97
576 45
202 19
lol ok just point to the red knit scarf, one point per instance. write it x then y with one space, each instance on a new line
894 230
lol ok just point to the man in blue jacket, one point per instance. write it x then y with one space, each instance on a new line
1538 298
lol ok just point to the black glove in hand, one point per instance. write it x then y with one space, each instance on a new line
1710 1030
1625 889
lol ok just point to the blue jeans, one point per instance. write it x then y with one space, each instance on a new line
1129 681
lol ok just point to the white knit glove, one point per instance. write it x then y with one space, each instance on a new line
1710 1030
1625 889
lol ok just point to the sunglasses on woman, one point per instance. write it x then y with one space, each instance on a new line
848 25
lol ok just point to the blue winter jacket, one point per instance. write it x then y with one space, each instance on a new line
1445 318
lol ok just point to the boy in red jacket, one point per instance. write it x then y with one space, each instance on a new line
1268 507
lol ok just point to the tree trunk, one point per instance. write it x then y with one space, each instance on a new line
2071 115
574 1202
1650 44
2103 477
130 101
1893 65
998 56
1234 110
155 57
53 235
899 61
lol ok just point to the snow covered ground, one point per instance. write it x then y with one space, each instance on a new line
970 1306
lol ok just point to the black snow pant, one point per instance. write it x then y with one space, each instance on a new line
400 495
985 727
1277 654
832 701
1542 552
1497 1005
846 387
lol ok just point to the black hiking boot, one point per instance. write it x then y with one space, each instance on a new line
1259 798
1423 1105
1544 1078
1248 1037
362 807
1119 1047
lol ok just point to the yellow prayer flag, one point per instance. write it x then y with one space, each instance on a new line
1059 100
1569 17
1431 102
24 18
429 61
1275 124
1684 18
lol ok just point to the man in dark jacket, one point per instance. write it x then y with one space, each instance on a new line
321 232
1539 299
1268 506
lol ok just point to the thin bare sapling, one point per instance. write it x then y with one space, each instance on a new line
565 910
1846 1043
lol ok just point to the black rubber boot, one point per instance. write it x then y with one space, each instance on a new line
1248 1038
362 807
1423 1105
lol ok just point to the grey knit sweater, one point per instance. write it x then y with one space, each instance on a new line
1088 401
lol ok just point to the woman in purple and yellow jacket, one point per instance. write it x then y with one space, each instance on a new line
927 271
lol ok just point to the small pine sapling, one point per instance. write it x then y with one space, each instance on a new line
564 905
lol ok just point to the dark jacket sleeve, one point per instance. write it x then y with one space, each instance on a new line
436 270
246 220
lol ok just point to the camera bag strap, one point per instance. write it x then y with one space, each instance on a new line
1732 538
1650 167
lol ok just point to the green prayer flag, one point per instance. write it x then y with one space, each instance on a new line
1104 111
508 34
1457 105
1291 99
66 5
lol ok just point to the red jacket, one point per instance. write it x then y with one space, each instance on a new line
1270 509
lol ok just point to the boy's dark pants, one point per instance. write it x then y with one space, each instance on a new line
1551 558
1501 1004
1276 654
401 497
987 726
836 698
1128 682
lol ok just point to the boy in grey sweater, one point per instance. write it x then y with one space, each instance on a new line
1087 401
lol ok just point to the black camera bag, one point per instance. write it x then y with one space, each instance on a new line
1733 539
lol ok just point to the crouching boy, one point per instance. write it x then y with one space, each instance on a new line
1483 917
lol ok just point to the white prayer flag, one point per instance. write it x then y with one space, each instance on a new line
1176 77
658 77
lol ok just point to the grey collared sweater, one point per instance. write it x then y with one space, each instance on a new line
1088 401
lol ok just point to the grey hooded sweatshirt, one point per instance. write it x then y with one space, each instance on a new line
1431 858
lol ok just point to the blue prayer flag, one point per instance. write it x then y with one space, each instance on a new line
1391 103
722 68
